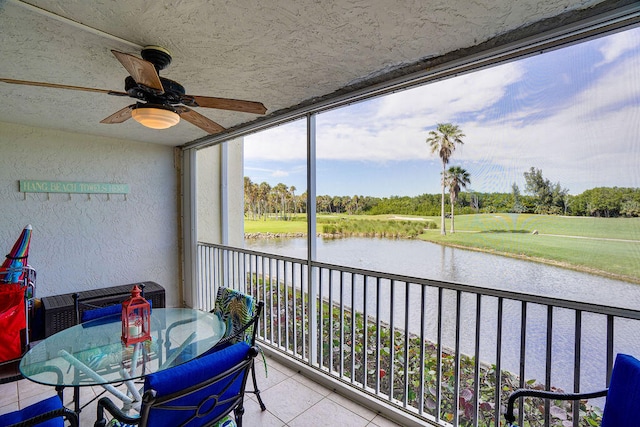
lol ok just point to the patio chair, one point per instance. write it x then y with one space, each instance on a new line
622 396
240 314
88 309
46 413
200 392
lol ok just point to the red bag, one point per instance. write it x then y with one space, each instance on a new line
13 322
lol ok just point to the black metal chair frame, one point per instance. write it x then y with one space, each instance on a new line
67 414
151 401
523 392
79 306
239 334
9 371
235 336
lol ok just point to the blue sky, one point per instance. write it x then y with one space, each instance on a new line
574 113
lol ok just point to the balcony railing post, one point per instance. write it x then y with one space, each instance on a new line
523 354
476 368
577 349
548 364
498 363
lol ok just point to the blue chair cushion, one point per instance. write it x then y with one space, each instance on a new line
623 397
96 313
114 312
31 411
194 372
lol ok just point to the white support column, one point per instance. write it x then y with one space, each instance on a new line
311 238
224 211
224 193
190 228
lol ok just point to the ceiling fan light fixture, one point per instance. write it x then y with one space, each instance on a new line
155 118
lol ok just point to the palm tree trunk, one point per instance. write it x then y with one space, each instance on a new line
442 226
452 228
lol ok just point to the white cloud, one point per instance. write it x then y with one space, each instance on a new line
443 100
588 138
617 44
286 142
388 128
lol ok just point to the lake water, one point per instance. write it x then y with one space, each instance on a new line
432 261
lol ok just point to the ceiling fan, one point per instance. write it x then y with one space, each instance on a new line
161 101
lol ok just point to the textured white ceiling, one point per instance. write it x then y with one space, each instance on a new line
281 53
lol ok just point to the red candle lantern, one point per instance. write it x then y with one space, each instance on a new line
136 313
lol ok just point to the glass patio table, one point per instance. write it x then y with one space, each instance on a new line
92 353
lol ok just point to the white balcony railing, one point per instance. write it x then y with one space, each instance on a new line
443 353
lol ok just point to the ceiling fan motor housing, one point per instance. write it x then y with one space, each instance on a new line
157 55
173 91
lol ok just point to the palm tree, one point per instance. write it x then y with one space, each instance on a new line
455 178
264 190
443 140
250 197
294 201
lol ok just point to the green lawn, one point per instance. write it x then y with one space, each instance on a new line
615 228
573 242
273 226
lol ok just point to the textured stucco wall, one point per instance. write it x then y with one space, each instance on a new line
82 242
236 192
209 193
208 190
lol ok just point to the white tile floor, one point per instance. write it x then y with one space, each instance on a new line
291 399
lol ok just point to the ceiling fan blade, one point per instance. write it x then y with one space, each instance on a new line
119 116
229 104
143 72
199 120
57 86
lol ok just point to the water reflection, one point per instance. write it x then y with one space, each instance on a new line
437 262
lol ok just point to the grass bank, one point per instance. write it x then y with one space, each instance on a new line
605 246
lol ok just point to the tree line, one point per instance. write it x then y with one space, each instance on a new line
281 201
541 195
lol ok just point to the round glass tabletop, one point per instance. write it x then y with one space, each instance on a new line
92 353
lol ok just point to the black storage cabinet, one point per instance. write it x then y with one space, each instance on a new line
59 311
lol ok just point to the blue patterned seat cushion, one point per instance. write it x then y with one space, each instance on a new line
235 309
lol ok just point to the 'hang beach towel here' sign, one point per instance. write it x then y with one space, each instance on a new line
28 186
